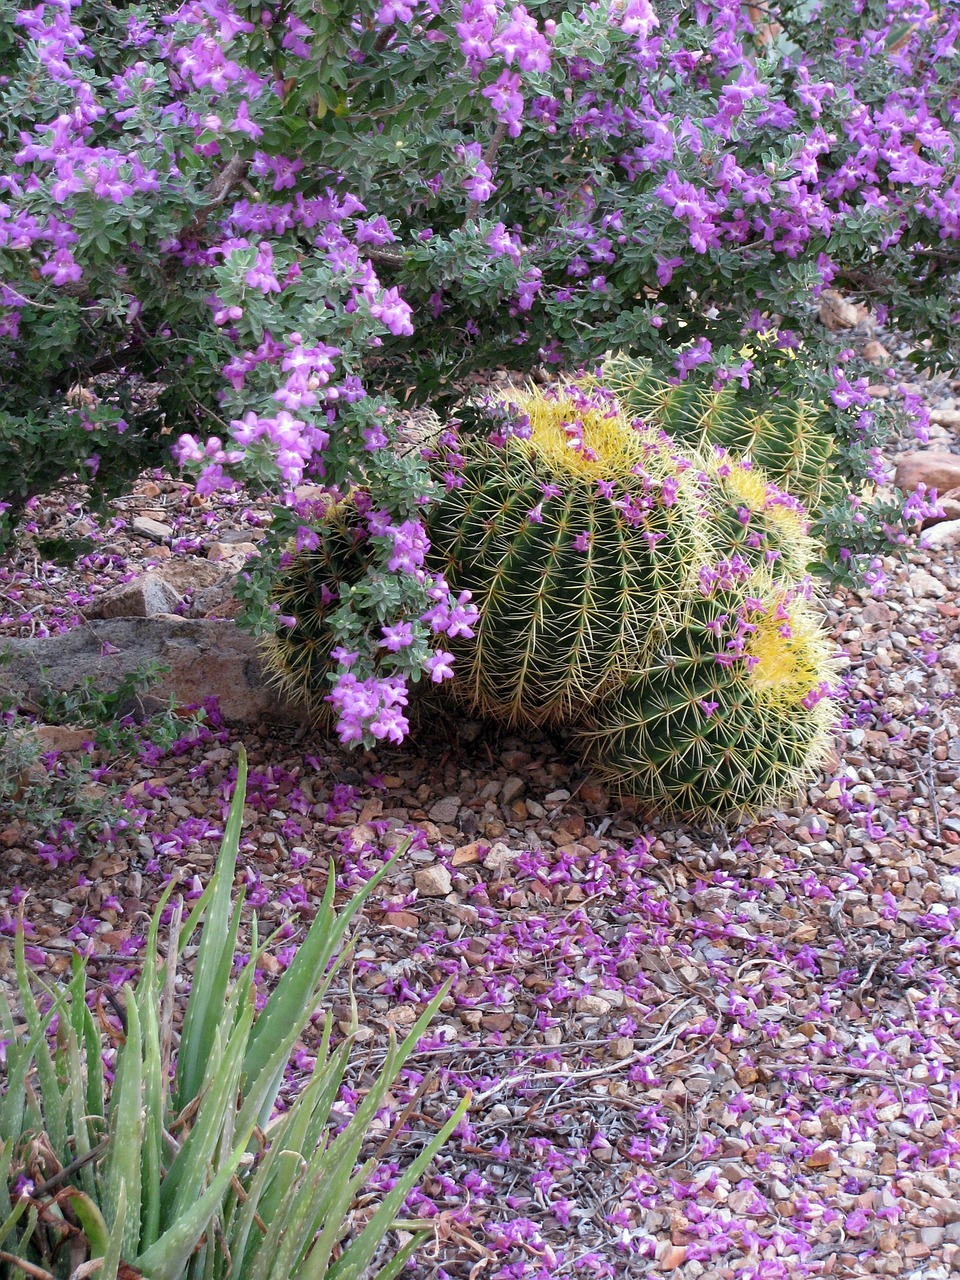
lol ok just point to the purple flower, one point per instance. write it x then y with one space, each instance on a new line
506 100
370 706
307 539
637 18
393 313
409 547
503 244
699 353
440 666
666 268
396 636
520 41
528 286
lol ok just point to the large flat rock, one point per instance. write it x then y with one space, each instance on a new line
206 657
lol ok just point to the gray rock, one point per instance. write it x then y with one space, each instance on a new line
207 586
206 658
433 882
155 530
241 535
557 797
512 787
595 1006
234 553
445 810
142 598
925 586
944 534
713 899
501 858
218 601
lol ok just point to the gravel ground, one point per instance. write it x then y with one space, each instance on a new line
691 1054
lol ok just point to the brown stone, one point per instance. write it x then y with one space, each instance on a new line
402 920
822 1158
675 1255
190 573
876 352
949 418
836 312
312 493
940 471
497 1021
468 853
61 737
876 614
238 552
621 1047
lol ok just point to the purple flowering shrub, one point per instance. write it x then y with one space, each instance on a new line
253 230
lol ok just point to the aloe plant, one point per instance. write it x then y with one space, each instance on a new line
578 539
787 441
181 1170
730 714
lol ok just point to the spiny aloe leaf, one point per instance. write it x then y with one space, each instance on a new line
214 957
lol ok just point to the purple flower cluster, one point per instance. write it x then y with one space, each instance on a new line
371 706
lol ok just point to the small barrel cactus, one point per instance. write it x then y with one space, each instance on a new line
731 714
786 440
578 536
306 592
751 518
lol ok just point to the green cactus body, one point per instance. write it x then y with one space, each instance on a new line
307 592
750 517
729 715
794 450
577 544
787 441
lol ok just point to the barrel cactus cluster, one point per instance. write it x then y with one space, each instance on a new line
640 580
577 537
787 440
730 713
